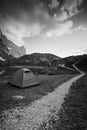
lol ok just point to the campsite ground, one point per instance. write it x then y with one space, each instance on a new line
9 94
73 113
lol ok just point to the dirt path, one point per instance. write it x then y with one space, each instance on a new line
32 116
74 65
63 66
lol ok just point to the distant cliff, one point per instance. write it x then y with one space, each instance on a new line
7 47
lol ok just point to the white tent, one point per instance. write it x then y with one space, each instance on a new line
23 78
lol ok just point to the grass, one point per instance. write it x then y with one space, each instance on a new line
47 84
73 114
39 70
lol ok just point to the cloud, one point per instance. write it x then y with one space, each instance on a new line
54 4
72 7
64 28
77 29
15 31
26 18
79 52
60 30
81 27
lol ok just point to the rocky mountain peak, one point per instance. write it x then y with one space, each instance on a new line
11 48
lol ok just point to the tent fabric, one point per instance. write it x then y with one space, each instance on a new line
23 78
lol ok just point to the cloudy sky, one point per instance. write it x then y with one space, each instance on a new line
47 26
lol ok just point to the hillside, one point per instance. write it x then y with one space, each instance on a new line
52 61
79 60
38 59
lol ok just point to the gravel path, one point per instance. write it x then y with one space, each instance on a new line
32 116
74 65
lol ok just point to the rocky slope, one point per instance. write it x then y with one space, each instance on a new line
7 47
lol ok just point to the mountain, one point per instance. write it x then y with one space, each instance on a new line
80 61
11 54
38 59
7 47
82 64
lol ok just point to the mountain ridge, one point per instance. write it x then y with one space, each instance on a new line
11 54
40 59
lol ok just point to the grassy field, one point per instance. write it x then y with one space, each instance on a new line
47 84
73 114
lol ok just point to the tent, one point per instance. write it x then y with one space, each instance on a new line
23 78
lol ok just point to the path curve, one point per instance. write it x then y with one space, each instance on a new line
32 116
74 65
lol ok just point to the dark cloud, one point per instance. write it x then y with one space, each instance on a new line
16 7
32 17
84 4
